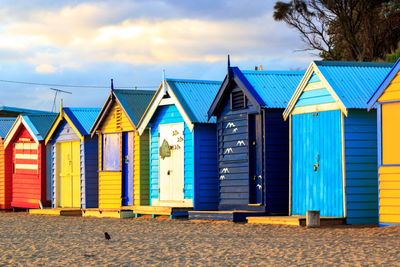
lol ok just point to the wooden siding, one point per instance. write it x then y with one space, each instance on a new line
141 169
206 167
392 91
5 176
277 162
165 115
233 156
390 119
91 181
116 121
29 186
110 184
360 132
389 194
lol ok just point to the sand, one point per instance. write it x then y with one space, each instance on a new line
54 240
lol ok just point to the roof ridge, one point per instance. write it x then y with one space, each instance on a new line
191 80
279 72
352 63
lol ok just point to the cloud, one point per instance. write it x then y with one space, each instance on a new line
45 68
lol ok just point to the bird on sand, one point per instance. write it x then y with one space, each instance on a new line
107 236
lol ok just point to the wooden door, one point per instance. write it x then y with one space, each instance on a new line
171 170
256 184
127 168
68 175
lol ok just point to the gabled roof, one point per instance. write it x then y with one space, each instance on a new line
37 124
132 102
267 89
80 119
395 69
351 84
191 97
6 111
5 126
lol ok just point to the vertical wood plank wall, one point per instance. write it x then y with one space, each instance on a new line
141 185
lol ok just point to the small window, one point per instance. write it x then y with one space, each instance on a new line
238 100
111 152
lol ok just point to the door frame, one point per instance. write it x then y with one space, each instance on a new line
124 153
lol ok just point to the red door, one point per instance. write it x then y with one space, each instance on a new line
26 191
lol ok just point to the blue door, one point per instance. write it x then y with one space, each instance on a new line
317 182
255 159
127 168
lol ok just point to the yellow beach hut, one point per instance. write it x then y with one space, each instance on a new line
123 154
387 100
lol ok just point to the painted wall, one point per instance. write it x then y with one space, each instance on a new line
90 181
165 115
5 176
206 167
233 166
116 121
392 91
141 185
389 195
360 132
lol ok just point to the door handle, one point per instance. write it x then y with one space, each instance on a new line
169 172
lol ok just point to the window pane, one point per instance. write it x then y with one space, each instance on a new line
111 152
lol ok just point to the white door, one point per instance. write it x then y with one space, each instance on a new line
171 171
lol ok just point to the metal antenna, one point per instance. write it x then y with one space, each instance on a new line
53 109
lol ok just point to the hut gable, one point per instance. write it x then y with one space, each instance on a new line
116 121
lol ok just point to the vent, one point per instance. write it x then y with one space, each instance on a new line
238 100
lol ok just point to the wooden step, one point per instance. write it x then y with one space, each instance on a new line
108 213
293 220
173 212
57 211
234 215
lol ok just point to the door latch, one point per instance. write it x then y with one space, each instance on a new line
316 165
254 177
126 159
169 172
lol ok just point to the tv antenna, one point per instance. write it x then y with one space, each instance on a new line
57 91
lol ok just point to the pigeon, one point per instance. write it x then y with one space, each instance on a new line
107 236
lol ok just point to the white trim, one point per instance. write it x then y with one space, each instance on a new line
151 109
157 100
20 120
303 84
166 102
315 108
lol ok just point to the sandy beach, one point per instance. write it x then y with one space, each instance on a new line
53 240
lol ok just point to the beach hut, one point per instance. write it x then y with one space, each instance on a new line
74 162
123 166
333 141
252 143
5 165
387 98
30 184
183 147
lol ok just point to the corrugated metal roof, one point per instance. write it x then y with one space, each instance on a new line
134 102
195 96
40 122
5 126
274 87
83 118
354 82
14 111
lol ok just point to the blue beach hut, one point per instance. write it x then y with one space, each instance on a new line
252 143
74 163
183 148
333 151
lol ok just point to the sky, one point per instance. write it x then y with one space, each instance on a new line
84 43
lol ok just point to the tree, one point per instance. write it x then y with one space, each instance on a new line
358 30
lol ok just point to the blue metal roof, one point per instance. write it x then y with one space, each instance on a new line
40 123
134 102
82 118
195 96
17 111
395 69
5 126
274 87
354 82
